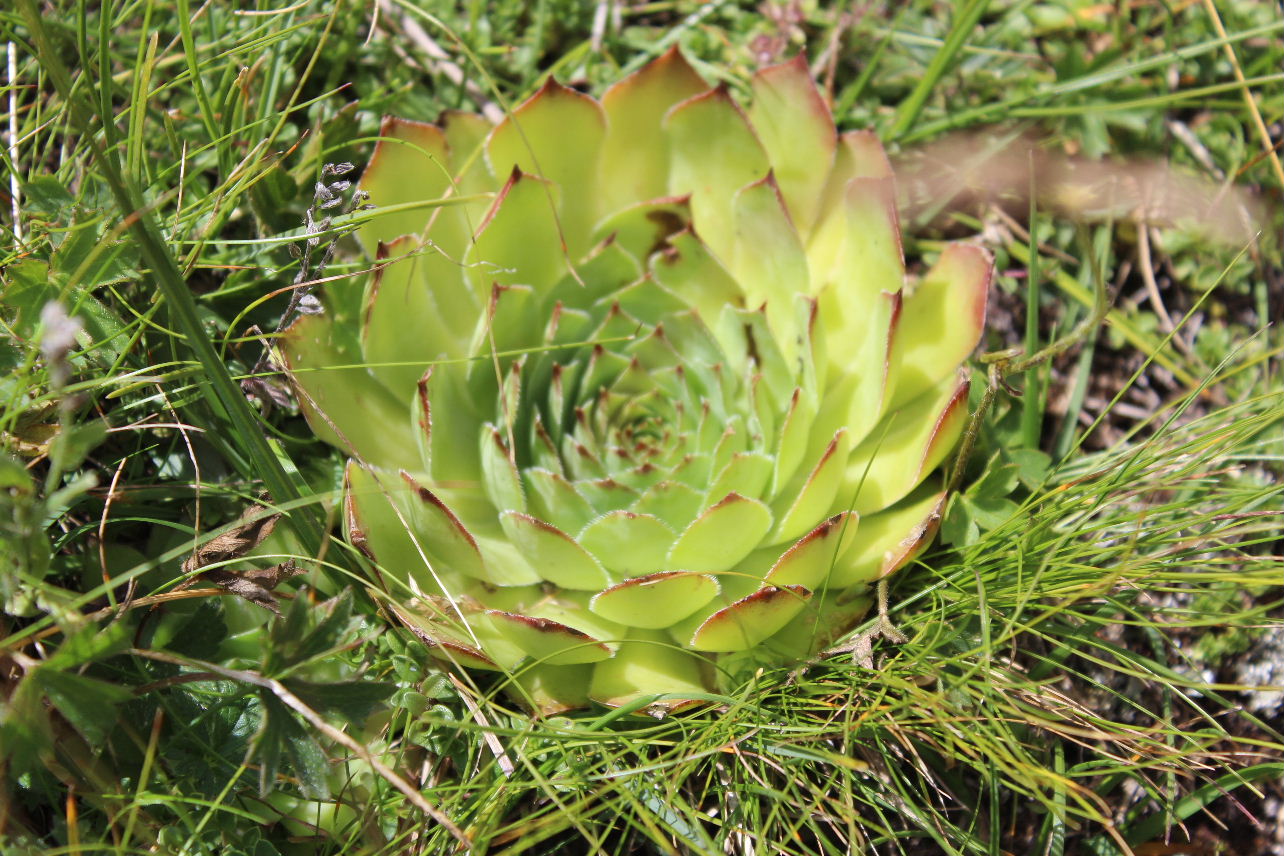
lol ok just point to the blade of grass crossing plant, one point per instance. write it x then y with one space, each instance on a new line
144 777
964 23
996 109
1250 102
198 81
1032 399
1154 826
651 807
1052 839
853 90
104 85
1151 101
137 148
228 402
305 77
1065 439
996 800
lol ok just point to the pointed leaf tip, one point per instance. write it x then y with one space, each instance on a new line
722 535
656 600
796 127
810 561
548 642
634 159
555 556
751 619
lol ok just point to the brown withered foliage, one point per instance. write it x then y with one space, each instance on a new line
970 170
254 584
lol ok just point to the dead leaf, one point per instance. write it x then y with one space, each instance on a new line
256 524
254 584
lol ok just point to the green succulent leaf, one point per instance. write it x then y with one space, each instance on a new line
640 392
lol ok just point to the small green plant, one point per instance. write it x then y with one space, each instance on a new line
638 394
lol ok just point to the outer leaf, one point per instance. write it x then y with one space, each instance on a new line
942 320
447 639
794 435
908 446
721 536
813 560
550 690
447 424
628 543
556 134
803 504
556 500
768 259
858 398
891 539
547 641
818 626
689 270
635 158
342 402
712 173
410 164
381 530
466 135
645 666
503 482
856 250
645 227
750 620
554 554
655 601
671 501
399 290
520 240
797 130
747 473
441 532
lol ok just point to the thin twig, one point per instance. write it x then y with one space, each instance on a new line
1148 277
102 528
496 748
1258 123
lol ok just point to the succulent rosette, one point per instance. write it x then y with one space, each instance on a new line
638 392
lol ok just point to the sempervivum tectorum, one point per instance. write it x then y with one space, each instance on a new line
638 391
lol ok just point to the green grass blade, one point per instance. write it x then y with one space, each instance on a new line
228 402
964 23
